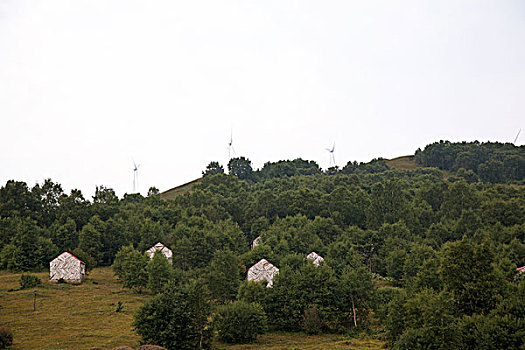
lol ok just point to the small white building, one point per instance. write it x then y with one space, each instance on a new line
67 267
256 242
263 271
316 258
159 247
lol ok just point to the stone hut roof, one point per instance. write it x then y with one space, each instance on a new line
263 271
68 267
159 247
256 242
316 258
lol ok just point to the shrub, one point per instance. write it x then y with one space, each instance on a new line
86 258
120 259
131 267
252 292
119 307
312 323
381 299
29 281
177 318
28 249
224 275
6 337
240 322
159 272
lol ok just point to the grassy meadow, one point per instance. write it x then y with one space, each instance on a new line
69 316
180 190
84 316
294 341
402 163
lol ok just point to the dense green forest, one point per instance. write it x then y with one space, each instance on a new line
424 258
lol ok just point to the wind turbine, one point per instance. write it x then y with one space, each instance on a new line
230 146
516 139
135 175
332 156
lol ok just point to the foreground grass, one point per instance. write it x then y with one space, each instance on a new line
84 316
68 316
279 341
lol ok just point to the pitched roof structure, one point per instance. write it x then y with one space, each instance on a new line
263 271
159 247
256 242
316 258
67 267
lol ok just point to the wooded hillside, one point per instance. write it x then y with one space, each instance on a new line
424 257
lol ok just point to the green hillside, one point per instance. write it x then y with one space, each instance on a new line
413 254
399 163
180 190
403 163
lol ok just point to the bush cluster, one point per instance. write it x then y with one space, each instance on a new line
6 338
29 281
240 322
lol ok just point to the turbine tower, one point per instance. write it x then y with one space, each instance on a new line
135 175
332 156
230 146
516 139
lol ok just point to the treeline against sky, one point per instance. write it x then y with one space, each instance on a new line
491 162
472 161
424 256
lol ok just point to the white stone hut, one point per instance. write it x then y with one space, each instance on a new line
263 271
159 247
256 242
67 267
316 258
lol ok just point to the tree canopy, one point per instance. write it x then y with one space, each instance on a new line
427 256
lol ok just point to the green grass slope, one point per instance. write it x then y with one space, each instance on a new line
84 316
69 316
180 190
402 163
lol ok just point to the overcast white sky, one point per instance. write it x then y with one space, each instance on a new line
85 86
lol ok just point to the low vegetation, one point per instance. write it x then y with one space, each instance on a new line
240 322
6 338
179 318
289 341
29 281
